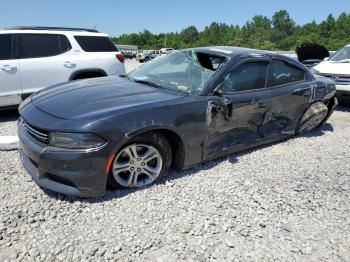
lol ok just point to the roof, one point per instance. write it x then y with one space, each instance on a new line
231 51
52 30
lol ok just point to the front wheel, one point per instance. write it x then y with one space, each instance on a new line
312 118
140 163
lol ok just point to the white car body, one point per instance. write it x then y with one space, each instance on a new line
338 70
20 77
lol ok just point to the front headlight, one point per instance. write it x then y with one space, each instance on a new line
75 140
314 71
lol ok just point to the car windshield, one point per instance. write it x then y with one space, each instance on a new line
341 55
186 71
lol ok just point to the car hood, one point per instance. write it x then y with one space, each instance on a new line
96 97
333 68
311 52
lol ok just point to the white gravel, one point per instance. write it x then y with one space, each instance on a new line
284 202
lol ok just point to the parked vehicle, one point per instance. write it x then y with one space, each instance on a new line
142 56
178 110
147 55
32 58
337 68
311 54
166 51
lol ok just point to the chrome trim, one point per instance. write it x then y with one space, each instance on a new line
36 133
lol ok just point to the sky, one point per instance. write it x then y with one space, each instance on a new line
132 16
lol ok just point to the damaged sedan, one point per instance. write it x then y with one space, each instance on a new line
81 138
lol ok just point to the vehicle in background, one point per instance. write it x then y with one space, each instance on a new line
166 51
337 68
147 55
154 54
311 54
32 58
142 56
179 110
129 54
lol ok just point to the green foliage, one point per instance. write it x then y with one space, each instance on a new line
278 33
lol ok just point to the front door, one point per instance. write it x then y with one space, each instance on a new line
45 59
10 85
236 114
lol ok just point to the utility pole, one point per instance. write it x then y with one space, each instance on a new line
165 41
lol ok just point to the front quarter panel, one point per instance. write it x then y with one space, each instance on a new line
186 117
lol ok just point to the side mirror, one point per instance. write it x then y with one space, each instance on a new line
325 59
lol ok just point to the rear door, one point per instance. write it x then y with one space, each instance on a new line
45 59
10 85
237 115
290 94
99 52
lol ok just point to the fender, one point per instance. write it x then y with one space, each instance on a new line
86 71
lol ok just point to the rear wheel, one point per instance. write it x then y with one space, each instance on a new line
312 118
140 163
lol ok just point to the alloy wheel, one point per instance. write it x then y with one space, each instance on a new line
137 165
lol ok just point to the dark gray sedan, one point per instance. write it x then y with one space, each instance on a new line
191 106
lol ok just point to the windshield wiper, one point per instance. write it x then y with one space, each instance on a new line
124 76
145 82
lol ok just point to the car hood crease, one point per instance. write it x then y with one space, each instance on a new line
88 98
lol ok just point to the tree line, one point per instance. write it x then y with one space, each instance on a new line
277 33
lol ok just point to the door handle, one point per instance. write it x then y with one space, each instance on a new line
302 91
68 64
8 68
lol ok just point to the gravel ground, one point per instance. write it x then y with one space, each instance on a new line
288 201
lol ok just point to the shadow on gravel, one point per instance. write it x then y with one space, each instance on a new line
9 115
327 127
174 175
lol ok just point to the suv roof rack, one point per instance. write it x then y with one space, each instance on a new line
52 28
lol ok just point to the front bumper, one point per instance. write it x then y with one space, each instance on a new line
76 173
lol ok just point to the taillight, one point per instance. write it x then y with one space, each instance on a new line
120 57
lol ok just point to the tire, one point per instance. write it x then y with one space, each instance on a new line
129 169
312 118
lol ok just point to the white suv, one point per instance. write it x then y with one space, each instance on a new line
337 67
32 58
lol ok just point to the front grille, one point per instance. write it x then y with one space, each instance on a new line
338 79
36 133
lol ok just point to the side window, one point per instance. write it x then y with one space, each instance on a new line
6 46
248 76
43 45
96 44
282 73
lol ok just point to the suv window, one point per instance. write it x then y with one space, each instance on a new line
282 73
248 76
96 44
6 46
43 45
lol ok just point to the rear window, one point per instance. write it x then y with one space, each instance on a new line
43 45
282 74
6 47
96 44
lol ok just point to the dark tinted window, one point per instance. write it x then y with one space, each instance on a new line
43 45
282 73
245 77
6 47
96 44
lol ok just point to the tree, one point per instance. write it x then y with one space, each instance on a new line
278 33
189 35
